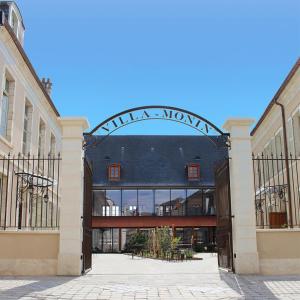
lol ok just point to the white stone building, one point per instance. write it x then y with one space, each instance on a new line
276 149
30 144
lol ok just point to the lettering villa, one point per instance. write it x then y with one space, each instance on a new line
156 113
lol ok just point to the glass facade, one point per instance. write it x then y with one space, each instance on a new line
116 239
154 202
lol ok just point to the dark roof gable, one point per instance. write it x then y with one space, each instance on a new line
155 160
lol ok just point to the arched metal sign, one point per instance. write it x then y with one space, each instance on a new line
156 112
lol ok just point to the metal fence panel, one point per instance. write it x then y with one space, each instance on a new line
29 192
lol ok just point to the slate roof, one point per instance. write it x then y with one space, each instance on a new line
154 160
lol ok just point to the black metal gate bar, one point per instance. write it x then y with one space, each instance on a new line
224 222
87 219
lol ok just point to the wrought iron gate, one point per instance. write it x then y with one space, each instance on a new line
87 219
224 224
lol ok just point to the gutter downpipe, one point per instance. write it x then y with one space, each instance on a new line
286 158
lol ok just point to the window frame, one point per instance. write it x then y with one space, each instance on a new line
192 166
15 23
52 146
41 138
5 114
27 132
111 167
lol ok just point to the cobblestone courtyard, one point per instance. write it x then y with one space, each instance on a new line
119 277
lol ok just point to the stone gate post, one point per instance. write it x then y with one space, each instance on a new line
242 196
71 208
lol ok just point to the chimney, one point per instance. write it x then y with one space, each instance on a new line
47 85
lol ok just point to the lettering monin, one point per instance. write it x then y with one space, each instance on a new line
152 114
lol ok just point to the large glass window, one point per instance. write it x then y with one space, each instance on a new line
99 203
146 202
162 203
194 202
178 202
158 202
113 203
129 203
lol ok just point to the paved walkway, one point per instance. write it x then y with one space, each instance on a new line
119 277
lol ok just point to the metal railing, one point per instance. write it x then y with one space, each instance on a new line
274 207
29 192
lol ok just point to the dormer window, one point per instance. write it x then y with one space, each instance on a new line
114 172
14 23
9 12
193 171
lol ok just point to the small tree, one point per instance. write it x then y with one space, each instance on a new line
164 240
174 243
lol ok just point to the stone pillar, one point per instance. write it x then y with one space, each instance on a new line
242 197
71 208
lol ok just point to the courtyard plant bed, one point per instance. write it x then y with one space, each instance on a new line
159 244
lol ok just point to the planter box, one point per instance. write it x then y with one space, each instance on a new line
277 219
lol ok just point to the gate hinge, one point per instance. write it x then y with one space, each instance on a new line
232 216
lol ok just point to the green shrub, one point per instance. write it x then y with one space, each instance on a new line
138 239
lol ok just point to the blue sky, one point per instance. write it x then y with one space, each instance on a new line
216 58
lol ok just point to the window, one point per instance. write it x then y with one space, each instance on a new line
146 202
99 203
52 155
4 108
27 128
114 172
194 202
178 202
14 23
113 203
52 145
296 133
193 171
42 132
129 203
208 202
162 202
279 151
290 135
278 144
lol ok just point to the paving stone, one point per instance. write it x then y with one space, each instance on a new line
116 277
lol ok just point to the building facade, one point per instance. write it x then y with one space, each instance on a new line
276 142
143 182
276 150
30 143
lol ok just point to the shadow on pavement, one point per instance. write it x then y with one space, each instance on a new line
255 287
26 286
